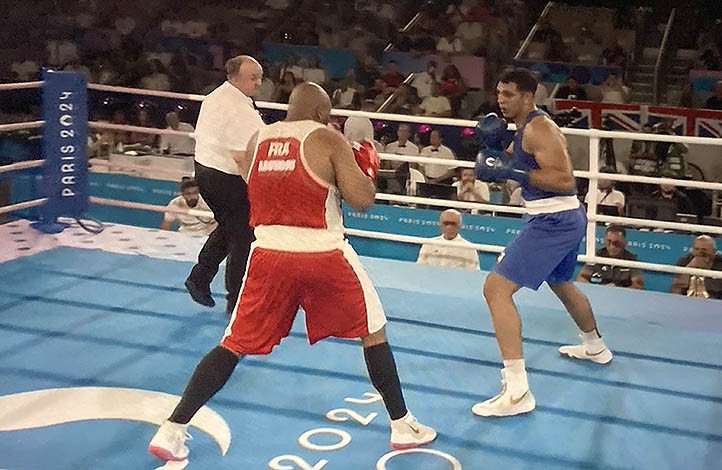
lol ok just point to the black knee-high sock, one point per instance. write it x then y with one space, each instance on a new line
211 375
384 377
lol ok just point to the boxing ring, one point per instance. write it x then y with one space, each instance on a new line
97 335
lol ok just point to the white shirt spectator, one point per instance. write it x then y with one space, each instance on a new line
422 82
344 98
265 91
435 105
611 198
358 128
226 123
296 70
179 143
453 46
433 170
61 52
515 198
541 97
26 70
314 75
479 187
449 256
190 223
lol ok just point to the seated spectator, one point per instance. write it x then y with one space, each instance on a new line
345 97
436 173
449 256
285 87
470 189
607 195
190 198
613 91
571 90
703 256
156 77
615 246
422 81
667 191
615 55
671 156
291 65
453 87
177 144
392 77
491 105
715 101
642 159
143 119
435 105
313 72
405 100
449 44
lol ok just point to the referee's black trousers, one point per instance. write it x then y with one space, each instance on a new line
227 197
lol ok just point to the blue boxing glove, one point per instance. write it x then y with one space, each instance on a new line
492 132
493 165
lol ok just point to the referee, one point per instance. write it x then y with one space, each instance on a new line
227 120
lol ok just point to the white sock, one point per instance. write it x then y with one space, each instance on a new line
593 341
515 376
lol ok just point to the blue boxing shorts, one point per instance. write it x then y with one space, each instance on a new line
545 250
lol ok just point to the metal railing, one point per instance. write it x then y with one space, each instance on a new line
661 56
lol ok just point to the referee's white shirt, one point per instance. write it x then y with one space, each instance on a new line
226 123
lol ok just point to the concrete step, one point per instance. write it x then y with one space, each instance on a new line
642 86
687 54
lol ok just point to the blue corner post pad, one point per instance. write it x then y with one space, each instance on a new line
65 131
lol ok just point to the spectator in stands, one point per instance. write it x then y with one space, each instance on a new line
469 189
422 81
285 87
709 60
291 65
607 196
571 90
471 34
449 44
670 192
366 72
613 91
437 173
514 190
392 77
715 101
435 105
642 159
313 72
156 77
405 100
546 31
615 246
541 96
345 96
177 144
143 118
462 257
671 156
615 56
190 198
703 256
453 87
491 105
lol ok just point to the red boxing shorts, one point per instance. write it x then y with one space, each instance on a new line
332 287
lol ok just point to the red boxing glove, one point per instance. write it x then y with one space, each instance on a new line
366 157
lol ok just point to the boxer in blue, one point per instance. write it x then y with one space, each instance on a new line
546 250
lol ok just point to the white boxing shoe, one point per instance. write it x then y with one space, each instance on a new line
506 404
407 433
594 350
168 444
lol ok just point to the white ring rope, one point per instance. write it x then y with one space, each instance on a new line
656 224
130 168
649 180
148 207
23 205
21 85
143 91
21 125
139 129
21 165
450 203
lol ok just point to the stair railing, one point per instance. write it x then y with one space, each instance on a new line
660 57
